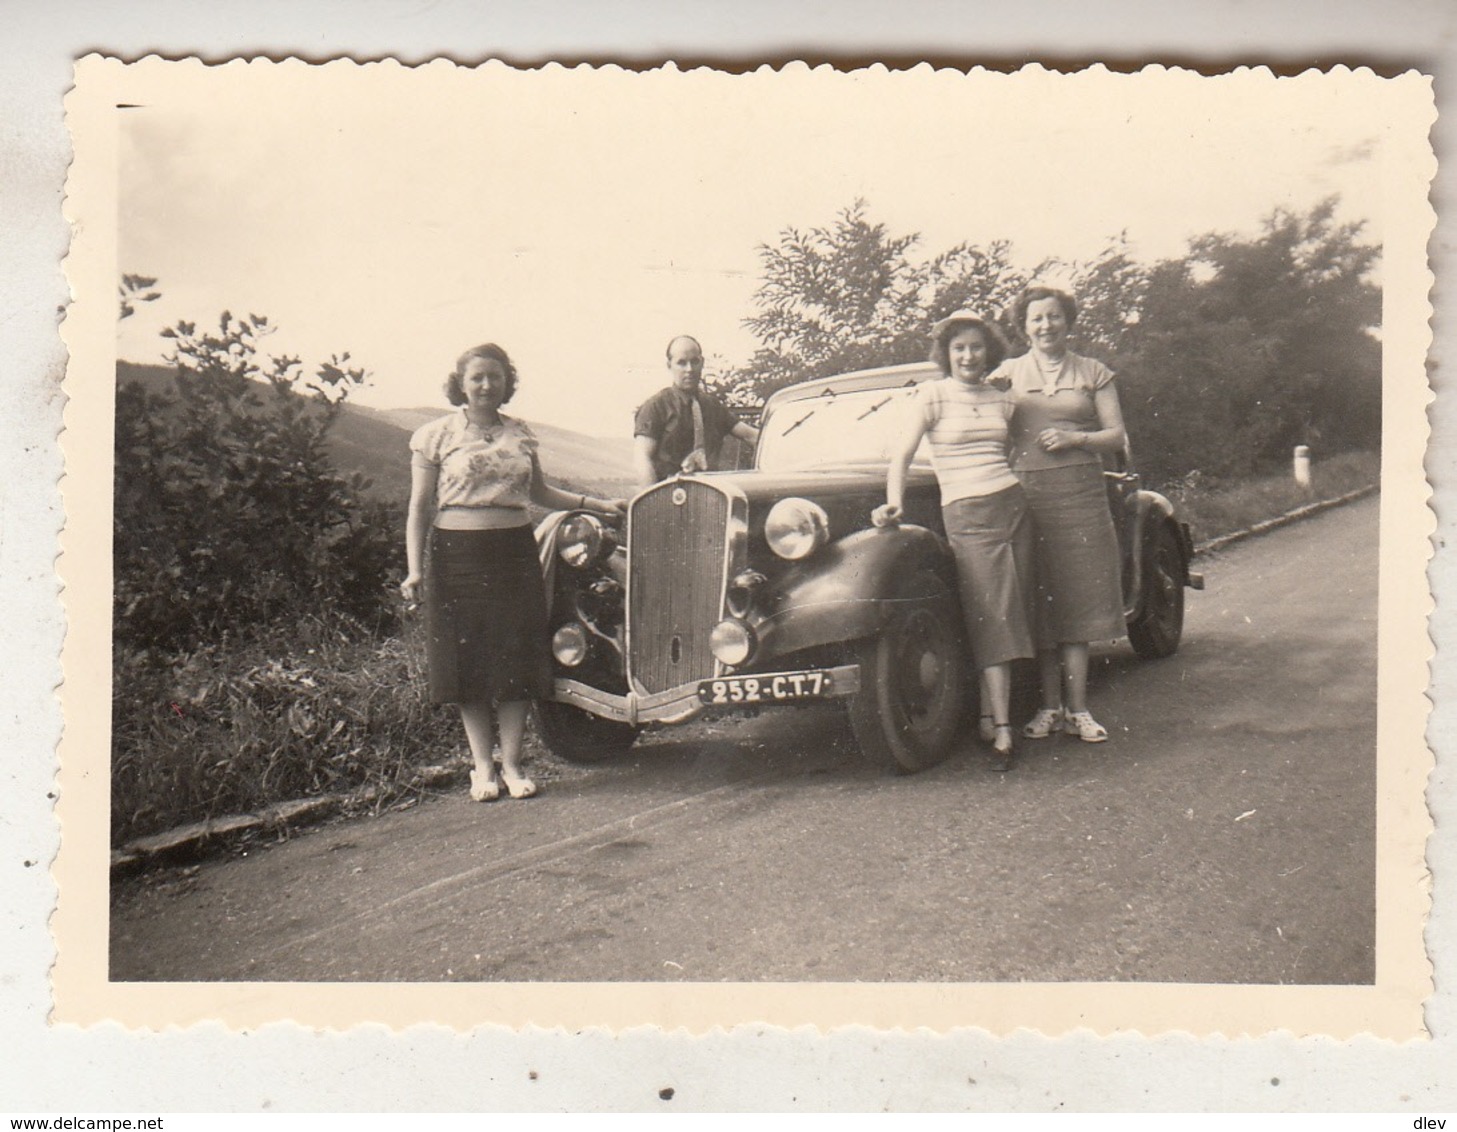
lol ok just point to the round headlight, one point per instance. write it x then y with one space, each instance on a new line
569 644
796 528
731 641
579 540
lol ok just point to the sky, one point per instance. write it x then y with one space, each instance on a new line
582 218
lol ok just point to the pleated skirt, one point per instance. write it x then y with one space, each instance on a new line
991 539
485 608
1079 583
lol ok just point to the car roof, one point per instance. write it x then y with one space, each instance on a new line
881 377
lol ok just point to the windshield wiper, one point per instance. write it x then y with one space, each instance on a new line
875 408
799 422
830 393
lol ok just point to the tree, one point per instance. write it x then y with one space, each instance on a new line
1111 291
849 296
1246 347
228 512
135 289
830 299
1227 355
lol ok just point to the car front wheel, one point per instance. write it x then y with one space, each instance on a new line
906 713
581 737
1157 629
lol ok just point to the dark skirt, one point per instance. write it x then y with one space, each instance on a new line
485 607
991 538
1079 575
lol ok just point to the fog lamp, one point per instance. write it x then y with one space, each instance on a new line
731 641
569 644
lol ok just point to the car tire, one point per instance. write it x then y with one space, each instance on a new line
579 736
1159 626
906 714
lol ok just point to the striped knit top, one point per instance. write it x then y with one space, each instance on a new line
967 428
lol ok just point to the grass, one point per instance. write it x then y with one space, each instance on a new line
1213 509
311 709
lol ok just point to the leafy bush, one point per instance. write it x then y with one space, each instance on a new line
229 514
250 606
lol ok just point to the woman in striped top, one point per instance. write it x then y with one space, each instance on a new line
966 419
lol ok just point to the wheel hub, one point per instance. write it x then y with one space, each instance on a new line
922 671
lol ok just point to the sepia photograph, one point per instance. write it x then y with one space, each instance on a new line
581 542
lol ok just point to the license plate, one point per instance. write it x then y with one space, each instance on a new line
765 688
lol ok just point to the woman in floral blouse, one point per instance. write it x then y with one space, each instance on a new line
472 474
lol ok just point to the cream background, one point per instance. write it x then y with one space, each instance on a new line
1399 110
910 1070
584 227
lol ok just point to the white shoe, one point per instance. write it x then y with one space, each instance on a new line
1085 727
1044 723
483 786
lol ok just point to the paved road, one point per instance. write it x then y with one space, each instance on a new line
1226 834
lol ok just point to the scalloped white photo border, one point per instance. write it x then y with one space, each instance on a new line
1391 1008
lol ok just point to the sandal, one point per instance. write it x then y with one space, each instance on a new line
1003 748
519 787
986 730
1085 727
483 786
1043 724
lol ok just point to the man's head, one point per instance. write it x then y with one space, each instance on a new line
685 363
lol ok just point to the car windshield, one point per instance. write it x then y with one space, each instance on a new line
847 428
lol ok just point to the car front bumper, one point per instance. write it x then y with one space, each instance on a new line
680 704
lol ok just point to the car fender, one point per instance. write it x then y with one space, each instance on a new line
562 581
546 540
846 592
1150 508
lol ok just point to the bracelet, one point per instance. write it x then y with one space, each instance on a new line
583 504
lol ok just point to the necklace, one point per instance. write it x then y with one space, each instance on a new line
1050 370
485 429
980 395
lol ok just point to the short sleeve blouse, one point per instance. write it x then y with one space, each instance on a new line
1067 402
478 467
967 428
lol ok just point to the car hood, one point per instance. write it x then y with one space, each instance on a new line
817 484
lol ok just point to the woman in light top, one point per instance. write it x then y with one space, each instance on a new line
472 474
1067 416
966 419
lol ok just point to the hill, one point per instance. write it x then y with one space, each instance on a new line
571 459
375 443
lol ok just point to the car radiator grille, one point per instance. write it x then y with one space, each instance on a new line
675 583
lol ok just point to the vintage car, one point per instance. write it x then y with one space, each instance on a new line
769 587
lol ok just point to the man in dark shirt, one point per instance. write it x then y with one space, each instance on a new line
681 428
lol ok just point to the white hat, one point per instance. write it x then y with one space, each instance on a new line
959 316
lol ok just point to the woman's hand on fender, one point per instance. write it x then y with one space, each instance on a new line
887 515
410 588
